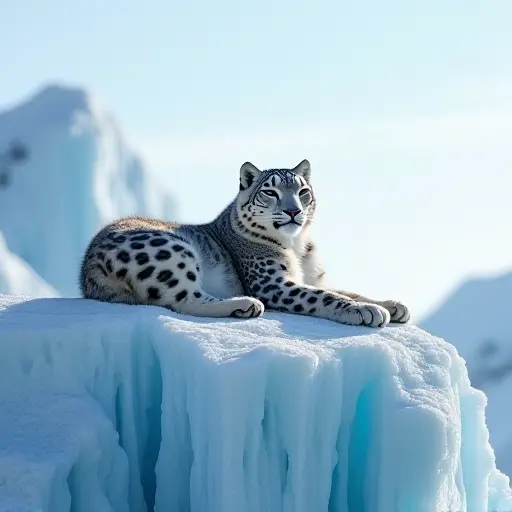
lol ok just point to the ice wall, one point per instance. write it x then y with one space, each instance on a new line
132 408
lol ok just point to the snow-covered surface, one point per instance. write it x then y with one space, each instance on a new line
105 407
80 174
18 278
477 319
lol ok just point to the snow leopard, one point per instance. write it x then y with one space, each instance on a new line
256 254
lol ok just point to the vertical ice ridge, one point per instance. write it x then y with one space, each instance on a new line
177 454
363 450
138 412
353 439
321 431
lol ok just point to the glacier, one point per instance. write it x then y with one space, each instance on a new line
481 331
80 174
108 407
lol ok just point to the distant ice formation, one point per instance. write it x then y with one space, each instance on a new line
80 173
476 318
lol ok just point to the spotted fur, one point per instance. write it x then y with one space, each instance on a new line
256 254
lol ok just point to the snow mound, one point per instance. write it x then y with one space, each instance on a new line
18 278
110 407
476 319
80 174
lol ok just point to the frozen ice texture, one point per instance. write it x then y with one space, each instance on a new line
109 407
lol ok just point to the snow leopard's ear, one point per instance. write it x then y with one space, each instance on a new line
303 169
249 173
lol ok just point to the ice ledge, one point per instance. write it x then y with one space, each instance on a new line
110 407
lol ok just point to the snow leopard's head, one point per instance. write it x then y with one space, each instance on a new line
275 203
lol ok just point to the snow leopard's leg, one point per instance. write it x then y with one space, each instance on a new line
156 268
314 275
272 283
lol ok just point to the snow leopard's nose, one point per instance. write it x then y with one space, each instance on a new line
292 213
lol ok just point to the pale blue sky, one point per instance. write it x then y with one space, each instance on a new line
403 108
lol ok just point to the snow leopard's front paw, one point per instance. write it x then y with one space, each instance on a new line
247 307
399 313
369 315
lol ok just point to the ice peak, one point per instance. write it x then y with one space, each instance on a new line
53 106
61 97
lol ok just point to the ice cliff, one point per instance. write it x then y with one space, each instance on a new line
114 408
80 173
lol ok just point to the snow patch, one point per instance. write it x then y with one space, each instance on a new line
16 277
132 407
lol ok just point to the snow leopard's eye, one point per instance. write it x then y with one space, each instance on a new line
304 191
270 193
